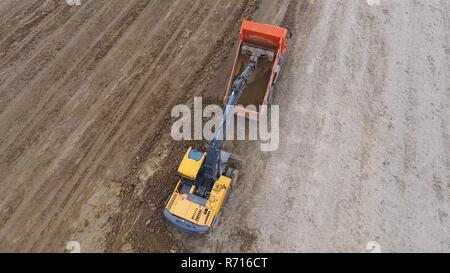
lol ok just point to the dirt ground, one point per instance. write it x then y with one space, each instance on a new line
86 155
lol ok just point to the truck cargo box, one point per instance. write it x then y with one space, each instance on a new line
260 86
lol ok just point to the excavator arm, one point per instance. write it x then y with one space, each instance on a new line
214 147
214 164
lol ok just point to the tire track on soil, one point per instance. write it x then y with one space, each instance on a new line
116 36
98 142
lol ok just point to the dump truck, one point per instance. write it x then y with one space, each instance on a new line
206 177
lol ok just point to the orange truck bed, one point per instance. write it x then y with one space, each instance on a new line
260 86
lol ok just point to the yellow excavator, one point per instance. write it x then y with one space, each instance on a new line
206 178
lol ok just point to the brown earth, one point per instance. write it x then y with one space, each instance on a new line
86 154
85 99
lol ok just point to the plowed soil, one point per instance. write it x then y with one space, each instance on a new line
86 155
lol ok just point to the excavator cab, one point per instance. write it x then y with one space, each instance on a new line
191 164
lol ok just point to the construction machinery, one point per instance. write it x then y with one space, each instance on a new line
206 178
